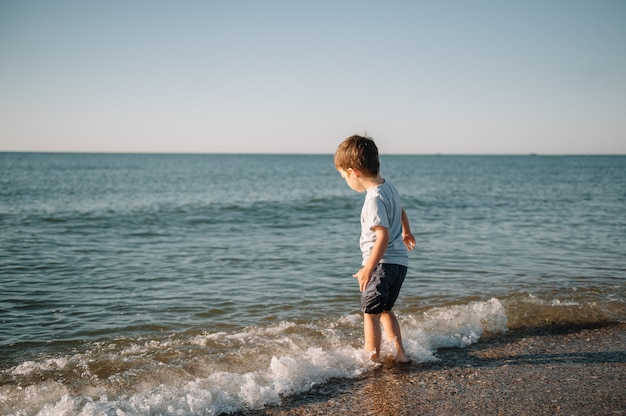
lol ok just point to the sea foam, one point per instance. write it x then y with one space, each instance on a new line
215 373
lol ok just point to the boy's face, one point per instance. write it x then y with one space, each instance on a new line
352 179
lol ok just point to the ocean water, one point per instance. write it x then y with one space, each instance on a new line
207 284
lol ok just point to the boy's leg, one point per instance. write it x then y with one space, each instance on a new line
371 330
392 330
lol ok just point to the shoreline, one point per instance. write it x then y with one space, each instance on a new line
546 371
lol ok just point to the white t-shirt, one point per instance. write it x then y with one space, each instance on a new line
382 208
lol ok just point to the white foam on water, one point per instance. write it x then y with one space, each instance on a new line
223 372
451 326
50 364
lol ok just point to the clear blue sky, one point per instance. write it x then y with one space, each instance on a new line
542 76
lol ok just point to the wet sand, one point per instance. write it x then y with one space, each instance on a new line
547 371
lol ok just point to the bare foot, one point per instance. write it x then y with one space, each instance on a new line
403 359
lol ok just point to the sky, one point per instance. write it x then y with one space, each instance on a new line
420 77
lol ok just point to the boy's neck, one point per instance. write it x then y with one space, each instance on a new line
372 182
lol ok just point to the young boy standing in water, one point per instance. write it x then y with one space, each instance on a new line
385 237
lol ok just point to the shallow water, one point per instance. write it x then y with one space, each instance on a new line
201 284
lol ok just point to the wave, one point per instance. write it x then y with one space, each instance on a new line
202 373
222 372
585 306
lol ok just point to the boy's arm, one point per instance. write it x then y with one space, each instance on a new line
380 245
407 235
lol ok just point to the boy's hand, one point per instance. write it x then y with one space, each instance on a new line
363 276
380 245
409 240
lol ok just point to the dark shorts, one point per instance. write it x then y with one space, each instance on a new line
383 288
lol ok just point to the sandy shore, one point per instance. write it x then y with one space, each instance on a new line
551 371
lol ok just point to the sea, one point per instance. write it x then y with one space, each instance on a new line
208 284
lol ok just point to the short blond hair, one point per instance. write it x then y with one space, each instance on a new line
358 152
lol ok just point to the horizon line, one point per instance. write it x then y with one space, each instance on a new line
79 152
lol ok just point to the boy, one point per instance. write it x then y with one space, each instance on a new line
385 237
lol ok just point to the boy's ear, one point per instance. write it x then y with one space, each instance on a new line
355 172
